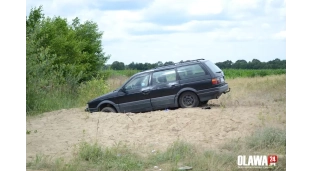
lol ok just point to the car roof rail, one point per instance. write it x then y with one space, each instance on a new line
190 60
179 63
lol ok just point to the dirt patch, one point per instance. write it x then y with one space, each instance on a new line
56 133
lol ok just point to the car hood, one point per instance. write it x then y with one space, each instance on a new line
104 96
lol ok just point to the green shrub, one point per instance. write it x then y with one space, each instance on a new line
90 90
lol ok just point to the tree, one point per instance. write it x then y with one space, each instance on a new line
118 65
275 64
255 61
132 65
240 64
159 64
225 65
76 45
255 64
140 66
35 17
169 63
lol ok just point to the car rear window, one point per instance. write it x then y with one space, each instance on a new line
214 68
190 71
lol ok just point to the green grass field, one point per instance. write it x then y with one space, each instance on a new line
229 73
235 73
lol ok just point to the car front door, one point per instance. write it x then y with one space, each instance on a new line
134 95
164 88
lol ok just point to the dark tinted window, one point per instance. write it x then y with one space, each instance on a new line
190 71
164 76
214 68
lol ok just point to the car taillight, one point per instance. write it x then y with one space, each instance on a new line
215 81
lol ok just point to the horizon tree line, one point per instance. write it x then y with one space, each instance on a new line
228 64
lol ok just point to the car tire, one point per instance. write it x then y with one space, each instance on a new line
188 99
108 110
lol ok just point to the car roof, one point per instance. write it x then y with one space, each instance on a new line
182 63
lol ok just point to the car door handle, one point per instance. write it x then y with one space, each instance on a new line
145 92
174 85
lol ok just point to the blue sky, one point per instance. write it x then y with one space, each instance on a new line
174 30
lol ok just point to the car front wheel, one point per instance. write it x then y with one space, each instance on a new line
108 110
188 99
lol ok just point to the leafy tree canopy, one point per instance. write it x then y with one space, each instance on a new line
77 46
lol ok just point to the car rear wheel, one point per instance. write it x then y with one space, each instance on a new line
108 110
188 99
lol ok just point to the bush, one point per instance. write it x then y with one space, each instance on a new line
91 89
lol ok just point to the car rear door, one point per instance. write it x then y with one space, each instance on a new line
164 88
194 76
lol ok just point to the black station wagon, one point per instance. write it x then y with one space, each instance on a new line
184 84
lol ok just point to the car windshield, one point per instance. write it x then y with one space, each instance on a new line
137 82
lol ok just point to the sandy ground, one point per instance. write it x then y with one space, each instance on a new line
56 133
253 103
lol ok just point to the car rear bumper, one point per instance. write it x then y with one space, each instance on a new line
224 89
213 93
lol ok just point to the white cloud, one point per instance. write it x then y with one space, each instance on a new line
193 38
275 8
204 7
193 7
280 35
200 26
244 4
265 26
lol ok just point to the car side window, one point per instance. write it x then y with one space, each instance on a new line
165 76
190 71
138 82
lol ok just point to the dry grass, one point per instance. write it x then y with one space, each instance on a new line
116 82
256 91
268 93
